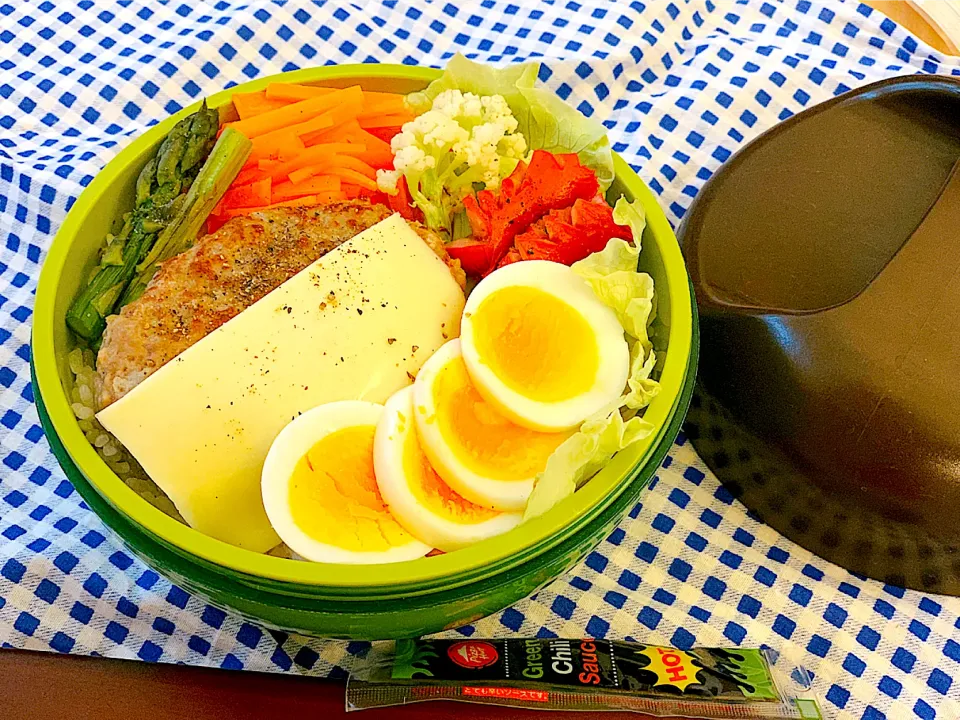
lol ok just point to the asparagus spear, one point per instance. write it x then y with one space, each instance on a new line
220 169
158 201
201 138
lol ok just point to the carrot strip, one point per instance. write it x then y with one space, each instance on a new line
249 174
346 155
296 202
353 177
356 164
316 185
384 104
292 92
251 104
378 120
252 195
318 156
302 175
304 201
276 144
215 222
342 132
377 153
321 122
295 113
267 164
384 133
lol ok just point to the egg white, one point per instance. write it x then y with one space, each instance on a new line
394 430
503 495
293 442
565 285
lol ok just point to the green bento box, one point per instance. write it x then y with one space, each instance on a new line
351 601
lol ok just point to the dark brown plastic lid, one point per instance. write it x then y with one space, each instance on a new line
826 261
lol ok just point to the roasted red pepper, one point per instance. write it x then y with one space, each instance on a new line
402 203
549 182
474 255
570 234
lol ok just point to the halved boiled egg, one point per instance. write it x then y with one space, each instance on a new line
541 347
426 506
478 452
320 492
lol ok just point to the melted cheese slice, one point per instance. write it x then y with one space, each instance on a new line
355 325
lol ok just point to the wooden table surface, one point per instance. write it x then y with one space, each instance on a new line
46 686
43 686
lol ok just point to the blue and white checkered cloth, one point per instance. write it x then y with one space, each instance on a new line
683 84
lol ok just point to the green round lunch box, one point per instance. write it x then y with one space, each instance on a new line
351 601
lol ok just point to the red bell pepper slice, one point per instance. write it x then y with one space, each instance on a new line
402 203
474 255
549 182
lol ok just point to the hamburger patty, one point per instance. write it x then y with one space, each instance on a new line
225 272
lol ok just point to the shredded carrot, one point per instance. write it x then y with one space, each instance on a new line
378 120
343 132
387 104
354 163
353 177
267 164
351 191
377 153
320 122
251 104
384 133
294 113
316 185
291 92
253 195
273 144
304 201
249 174
318 156
296 202
304 174
279 144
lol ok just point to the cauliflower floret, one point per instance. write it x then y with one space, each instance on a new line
463 139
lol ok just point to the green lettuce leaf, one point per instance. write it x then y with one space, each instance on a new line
641 387
545 120
581 456
613 275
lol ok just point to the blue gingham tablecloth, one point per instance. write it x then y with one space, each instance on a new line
683 84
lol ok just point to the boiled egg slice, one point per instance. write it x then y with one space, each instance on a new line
418 498
478 452
541 347
320 492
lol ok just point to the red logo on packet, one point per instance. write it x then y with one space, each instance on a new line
473 654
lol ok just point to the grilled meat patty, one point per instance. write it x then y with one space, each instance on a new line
222 274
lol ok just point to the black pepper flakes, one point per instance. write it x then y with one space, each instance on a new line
391 341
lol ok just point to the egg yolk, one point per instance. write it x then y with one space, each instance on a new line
481 438
433 493
334 496
536 344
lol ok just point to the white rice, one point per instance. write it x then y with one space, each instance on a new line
115 455
121 462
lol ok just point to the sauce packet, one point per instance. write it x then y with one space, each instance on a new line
587 674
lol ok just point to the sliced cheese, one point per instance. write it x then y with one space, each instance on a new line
355 325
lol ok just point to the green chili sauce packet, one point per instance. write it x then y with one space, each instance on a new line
585 674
